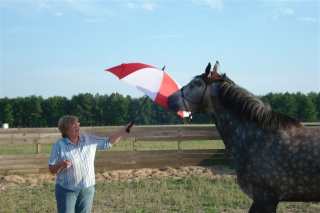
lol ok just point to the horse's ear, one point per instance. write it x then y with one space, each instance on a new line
216 67
214 73
208 68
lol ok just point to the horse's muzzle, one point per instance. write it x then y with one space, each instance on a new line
173 103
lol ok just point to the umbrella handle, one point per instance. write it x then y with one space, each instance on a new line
129 126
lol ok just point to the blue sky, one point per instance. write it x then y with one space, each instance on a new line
61 47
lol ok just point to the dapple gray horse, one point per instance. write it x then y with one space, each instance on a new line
276 158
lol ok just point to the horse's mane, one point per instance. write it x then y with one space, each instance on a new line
249 107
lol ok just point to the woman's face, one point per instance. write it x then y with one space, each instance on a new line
73 130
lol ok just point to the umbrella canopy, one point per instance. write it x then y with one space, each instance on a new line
154 82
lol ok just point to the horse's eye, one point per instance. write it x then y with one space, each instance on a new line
197 83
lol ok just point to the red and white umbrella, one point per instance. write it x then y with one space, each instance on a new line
154 82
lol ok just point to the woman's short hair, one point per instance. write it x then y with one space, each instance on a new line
64 123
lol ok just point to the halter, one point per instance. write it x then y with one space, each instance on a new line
184 98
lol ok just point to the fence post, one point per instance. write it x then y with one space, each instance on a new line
134 148
179 145
179 141
38 151
38 145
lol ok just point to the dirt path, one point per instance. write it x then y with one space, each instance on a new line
122 175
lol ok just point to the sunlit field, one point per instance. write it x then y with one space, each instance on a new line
219 194
189 194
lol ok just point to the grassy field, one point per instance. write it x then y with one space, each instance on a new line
189 194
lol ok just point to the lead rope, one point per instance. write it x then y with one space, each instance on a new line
184 99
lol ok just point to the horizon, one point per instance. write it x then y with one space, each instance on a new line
61 48
143 95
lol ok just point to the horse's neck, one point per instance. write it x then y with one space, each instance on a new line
236 133
238 137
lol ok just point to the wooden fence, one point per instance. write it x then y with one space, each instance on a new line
111 160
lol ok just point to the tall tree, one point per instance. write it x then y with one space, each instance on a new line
306 110
34 111
6 112
28 112
54 108
99 108
117 109
35 118
284 103
18 112
315 98
82 106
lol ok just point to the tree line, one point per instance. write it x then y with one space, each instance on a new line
116 109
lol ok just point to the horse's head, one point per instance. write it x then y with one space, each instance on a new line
198 94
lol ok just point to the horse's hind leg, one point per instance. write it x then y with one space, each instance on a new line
264 206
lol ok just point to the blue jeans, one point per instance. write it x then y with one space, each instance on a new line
79 201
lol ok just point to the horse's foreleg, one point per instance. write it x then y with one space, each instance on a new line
264 206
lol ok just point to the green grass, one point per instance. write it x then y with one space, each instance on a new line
190 194
12 149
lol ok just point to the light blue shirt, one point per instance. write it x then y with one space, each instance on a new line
81 173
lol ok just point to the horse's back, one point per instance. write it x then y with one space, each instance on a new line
299 152
306 133
306 140
288 166
299 165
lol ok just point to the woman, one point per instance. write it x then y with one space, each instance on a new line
72 161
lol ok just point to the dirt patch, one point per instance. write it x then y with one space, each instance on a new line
214 172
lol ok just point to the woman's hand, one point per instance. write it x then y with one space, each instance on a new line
55 169
115 137
65 164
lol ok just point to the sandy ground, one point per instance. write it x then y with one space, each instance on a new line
215 172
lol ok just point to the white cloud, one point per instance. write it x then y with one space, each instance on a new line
58 14
86 8
287 11
131 5
308 19
140 4
148 6
92 11
213 4
43 4
283 12
89 9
